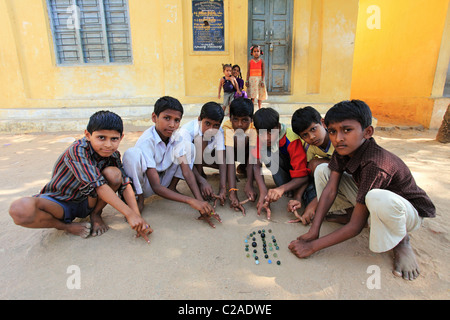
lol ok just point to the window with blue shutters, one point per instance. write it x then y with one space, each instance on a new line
90 31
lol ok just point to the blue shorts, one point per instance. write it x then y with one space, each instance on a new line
72 209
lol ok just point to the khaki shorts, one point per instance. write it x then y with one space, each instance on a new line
391 216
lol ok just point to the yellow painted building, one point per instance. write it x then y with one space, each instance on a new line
63 59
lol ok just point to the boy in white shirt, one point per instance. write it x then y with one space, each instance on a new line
161 157
208 138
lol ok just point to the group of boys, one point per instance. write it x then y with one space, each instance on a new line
331 167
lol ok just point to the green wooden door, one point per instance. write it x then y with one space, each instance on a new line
270 26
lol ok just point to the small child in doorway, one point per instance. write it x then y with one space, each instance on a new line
230 87
255 76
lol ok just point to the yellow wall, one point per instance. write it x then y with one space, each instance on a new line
324 35
335 57
28 61
394 65
163 60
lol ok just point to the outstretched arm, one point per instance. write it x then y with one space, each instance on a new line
162 191
326 201
220 87
263 72
303 249
131 213
223 177
297 184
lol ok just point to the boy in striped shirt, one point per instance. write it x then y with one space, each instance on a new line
86 177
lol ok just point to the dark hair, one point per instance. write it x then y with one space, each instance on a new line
227 65
212 110
105 120
303 118
266 118
165 103
240 74
254 46
350 110
241 107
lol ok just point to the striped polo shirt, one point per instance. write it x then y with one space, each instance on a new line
77 173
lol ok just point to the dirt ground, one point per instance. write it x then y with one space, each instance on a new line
187 259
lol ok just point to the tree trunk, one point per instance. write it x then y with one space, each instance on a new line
443 134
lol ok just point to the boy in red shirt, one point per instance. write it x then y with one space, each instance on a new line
282 152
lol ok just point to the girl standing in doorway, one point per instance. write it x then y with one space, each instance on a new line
255 76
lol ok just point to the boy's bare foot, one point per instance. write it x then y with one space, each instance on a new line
82 229
99 227
338 218
405 264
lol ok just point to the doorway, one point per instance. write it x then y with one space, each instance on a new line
270 26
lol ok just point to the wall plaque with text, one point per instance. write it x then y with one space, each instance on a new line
208 25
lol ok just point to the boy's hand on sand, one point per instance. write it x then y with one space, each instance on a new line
202 206
306 218
301 248
145 233
207 218
222 197
274 195
250 192
206 190
262 204
140 226
206 211
235 204
293 205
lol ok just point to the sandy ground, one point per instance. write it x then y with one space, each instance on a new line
187 259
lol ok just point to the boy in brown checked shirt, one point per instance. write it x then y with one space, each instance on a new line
372 181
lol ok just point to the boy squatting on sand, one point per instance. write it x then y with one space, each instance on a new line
309 125
376 183
85 178
282 151
161 157
208 138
